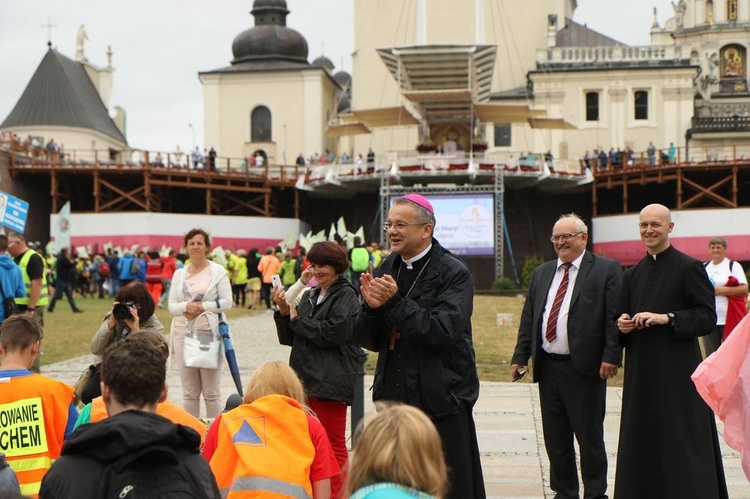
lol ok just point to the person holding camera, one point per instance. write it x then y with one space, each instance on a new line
132 310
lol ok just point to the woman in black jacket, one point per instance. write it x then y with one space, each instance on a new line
320 331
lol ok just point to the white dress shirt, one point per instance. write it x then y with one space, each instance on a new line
560 344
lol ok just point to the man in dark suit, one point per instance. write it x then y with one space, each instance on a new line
567 327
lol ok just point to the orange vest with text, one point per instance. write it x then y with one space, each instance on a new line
33 417
264 450
166 409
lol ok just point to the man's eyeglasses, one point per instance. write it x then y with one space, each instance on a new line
399 226
564 237
11 243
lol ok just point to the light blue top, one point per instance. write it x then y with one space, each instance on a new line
389 491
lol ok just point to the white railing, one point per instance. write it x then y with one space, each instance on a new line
606 54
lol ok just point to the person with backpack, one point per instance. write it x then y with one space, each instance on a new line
11 281
95 273
96 410
127 268
360 262
133 451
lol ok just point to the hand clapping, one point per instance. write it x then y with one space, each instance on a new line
377 290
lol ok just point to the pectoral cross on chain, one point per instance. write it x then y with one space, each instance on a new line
394 336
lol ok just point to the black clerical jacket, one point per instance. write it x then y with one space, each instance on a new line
668 446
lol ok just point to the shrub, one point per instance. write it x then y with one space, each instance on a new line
531 263
504 283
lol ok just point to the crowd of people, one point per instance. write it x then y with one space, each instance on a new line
329 158
35 146
599 159
413 306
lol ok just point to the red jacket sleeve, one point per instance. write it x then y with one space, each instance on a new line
212 439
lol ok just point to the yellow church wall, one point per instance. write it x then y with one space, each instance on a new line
300 103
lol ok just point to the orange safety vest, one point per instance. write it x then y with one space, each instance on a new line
264 450
166 409
33 418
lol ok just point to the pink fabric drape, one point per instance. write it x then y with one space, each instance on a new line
723 380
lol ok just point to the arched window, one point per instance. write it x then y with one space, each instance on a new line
260 124
733 61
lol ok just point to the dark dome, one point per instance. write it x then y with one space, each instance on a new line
259 4
323 62
343 78
269 42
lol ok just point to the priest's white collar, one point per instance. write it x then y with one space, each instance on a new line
410 262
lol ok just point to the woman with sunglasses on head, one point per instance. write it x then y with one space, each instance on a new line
132 310
320 330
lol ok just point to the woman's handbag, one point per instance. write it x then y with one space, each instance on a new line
202 347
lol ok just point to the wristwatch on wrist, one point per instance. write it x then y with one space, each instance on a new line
671 319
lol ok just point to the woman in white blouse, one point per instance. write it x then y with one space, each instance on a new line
202 286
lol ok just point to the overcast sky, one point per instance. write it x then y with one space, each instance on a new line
159 47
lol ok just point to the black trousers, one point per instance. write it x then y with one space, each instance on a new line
459 436
573 404
712 342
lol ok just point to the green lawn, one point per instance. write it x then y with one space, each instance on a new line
68 335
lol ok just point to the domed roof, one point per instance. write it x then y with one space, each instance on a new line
342 78
269 40
323 62
259 4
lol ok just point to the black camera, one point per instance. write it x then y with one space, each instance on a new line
121 311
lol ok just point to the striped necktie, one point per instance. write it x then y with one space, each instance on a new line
562 290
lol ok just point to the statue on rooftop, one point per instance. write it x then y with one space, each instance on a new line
81 38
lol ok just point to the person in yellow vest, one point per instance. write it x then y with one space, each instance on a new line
133 451
34 272
36 412
251 448
239 278
96 410
377 255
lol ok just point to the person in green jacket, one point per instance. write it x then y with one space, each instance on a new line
239 278
287 270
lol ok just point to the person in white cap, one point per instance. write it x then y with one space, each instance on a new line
417 314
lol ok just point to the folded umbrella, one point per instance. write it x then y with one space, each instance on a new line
229 352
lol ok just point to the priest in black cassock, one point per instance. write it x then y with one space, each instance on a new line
668 446
417 315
